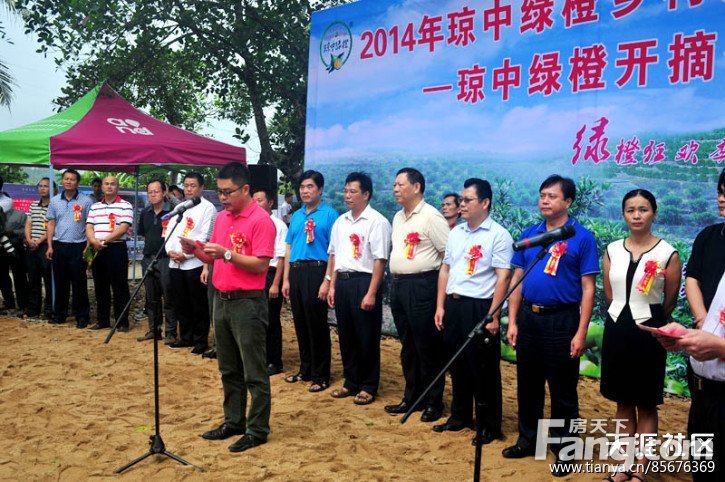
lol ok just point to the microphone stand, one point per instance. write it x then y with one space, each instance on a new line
156 443
478 331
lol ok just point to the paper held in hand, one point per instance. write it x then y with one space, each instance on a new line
672 330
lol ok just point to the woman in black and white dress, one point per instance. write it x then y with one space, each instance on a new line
641 278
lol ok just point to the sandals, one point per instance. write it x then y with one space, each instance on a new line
342 393
318 387
364 398
297 377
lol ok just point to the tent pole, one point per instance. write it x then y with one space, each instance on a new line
135 227
52 275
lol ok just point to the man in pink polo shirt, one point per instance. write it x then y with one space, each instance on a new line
240 248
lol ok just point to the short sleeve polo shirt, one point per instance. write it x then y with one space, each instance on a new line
251 233
580 258
319 223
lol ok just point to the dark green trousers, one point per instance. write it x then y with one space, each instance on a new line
240 328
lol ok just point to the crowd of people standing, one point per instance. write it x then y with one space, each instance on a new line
449 270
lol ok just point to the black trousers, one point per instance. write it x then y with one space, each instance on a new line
413 304
310 318
707 415
274 330
159 304
39 274
542 356
191 306
476 373
359 334
69 271
17 265
110 274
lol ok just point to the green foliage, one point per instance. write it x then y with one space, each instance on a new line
188 60
13 174
589 194
7 82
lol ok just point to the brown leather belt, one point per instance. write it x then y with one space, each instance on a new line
240 294
304 264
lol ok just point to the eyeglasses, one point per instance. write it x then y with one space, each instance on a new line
227 192
468 200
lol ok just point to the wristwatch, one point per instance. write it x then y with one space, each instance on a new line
328 277
227 256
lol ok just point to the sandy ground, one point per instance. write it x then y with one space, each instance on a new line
73 408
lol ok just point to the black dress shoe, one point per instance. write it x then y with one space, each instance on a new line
56 321
123 329
81 324
402 407
431 414
180 344
487 437
199 350
209 354
99 326
451 426
246 442
273 369
222 432
516 452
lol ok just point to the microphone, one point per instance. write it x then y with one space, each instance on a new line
181 207
543 239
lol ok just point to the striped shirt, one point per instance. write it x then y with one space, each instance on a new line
105 218
39 224
69 216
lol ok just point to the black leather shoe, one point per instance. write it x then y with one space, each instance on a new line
246 442
123 329
99 326
450 426
431 414
273 369
487 437
517 452
562 469
222 432
209 354
199 350
180 344
81 324
402 407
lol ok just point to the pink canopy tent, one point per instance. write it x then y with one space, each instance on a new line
102 131
116 135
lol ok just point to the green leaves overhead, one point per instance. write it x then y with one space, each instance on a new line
190 60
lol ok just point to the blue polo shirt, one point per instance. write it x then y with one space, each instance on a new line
300 250
62 210
581 258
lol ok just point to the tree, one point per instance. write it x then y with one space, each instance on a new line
187 59
13 174
6 79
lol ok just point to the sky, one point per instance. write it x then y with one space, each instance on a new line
39 81
374 106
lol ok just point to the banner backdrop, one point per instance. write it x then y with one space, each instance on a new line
617 94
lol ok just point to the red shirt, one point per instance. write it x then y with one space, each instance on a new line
251 233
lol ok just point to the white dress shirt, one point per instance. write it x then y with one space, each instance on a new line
372 231
195 224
